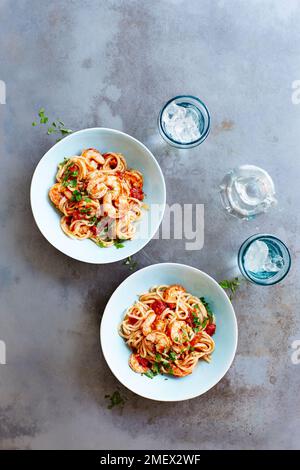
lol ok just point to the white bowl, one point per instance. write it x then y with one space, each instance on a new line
205 375
137 157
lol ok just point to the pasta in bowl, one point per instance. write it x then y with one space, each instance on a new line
170 342
108 189
169 330
99 197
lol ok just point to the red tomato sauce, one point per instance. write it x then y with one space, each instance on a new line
158 306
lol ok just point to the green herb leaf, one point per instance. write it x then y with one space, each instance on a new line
115 399
196 320
65 131
156 368
118 244
149 374
94 219
131 263
72 183
65 160
230 284
208 309
57 127
172 356
77 196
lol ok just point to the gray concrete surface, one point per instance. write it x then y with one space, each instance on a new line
114 63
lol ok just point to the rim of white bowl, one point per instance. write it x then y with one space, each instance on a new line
191 395
119 256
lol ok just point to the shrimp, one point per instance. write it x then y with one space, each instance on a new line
96 188
136 366
108 207
93 157
172 293
160 325
114 162
55 194
179 372
73 164
150 319
181 332
160 341
134 178
114 185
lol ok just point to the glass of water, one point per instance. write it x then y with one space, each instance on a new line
264 259
184 121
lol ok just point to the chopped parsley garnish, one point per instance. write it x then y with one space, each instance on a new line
158 358
131 263
87 199
57 126
119 244
43 118
85 210
231 285
72 183
208 308
172 356
196 320
149 374
65 160
156 368
77 196
93 219
101 244
115 399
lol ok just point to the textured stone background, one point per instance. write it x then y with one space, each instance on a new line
114 63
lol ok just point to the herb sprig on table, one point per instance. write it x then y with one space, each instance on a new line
116 399
57 127
230 285
131 263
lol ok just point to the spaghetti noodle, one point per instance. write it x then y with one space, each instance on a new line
168 331
99 197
